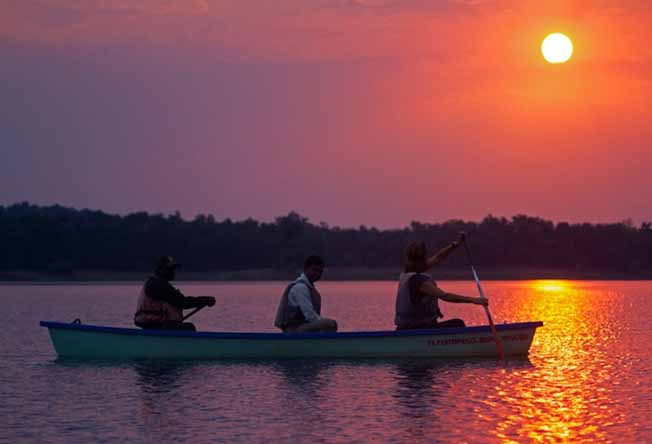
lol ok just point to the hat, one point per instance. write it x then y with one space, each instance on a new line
165 262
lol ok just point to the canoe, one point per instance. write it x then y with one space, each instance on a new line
76 340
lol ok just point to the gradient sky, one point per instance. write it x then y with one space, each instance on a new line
374 112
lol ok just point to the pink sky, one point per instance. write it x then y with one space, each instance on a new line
371 112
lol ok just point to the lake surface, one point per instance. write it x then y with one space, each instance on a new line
587 380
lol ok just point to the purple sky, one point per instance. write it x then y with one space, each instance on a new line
349 112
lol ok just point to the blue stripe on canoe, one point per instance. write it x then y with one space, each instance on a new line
293 336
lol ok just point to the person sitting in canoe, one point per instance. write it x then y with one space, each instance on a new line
160 305
417 299
300 308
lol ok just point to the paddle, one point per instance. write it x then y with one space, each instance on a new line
193 312
499 345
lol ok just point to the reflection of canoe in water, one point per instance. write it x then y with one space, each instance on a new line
88 341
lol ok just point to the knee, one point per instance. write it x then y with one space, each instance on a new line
331 325
177 325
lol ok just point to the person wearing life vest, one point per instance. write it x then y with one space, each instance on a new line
417 298
300 308
161 305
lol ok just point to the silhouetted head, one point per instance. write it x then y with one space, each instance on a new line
165 267
416 256
313 267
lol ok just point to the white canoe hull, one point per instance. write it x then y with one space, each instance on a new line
97 342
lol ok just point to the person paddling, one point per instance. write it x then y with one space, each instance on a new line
161 305
300 308
417 298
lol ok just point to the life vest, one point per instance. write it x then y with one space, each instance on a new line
291 315
409 313
153 311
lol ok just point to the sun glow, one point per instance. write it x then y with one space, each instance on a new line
550 286
557 48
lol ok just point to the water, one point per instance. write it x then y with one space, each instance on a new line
587 379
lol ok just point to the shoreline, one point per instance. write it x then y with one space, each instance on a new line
331 274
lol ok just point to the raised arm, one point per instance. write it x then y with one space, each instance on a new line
444 252
431 289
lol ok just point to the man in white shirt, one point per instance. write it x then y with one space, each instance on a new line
300 308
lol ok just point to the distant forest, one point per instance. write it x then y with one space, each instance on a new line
59 239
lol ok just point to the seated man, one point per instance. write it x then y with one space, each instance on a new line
300 308
160 305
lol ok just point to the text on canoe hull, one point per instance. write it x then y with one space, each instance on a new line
477 340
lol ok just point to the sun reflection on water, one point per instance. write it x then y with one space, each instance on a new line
550 286
567 397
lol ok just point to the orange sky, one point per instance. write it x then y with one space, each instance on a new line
353 112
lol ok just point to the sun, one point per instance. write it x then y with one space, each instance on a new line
557 48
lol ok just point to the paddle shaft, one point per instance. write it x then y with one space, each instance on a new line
499 345
193 312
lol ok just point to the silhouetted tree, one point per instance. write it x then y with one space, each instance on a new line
59 239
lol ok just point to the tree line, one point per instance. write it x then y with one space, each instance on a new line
59 239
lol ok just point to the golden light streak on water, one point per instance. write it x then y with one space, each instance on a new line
567 397
552 286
